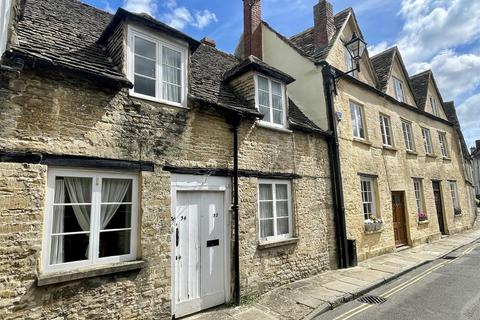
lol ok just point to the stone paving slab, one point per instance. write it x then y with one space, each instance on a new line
308 298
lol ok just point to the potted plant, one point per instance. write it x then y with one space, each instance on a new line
457 211
422 216
373 224
369 225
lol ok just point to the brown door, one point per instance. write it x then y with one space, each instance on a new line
399 223
439 205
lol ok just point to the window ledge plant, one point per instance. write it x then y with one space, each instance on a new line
373 224
457 211
422 217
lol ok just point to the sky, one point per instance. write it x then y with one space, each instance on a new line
442 35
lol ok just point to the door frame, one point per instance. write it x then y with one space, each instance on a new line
403 197
442 203
201 183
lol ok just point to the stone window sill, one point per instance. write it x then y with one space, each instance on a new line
447 159
266 125
389 148
458 215
413 153
90 272
431 155
424 222
362 141
279 243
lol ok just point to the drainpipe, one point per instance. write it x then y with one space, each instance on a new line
335 168
235 120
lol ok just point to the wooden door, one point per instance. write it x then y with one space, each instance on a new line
399 223
437 193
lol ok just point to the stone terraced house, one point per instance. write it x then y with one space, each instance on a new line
145 174
402 157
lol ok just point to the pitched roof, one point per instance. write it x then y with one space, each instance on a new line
451 113
382 65
252 63
420 87
298 120
304 40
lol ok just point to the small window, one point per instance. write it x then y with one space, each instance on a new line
349 62
418 188
427 141
271 100
398 88
157 69
91 219
408 136
442 139
386 130
454 193
358 124
433 103
368 197
274 210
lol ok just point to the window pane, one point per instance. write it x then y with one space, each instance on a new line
277 102
69 248
265 192
263 84
65 218
73 190
172 92
281 191
263 99
266 112
266 209
282 208
172 75
144 86
276 89
116 216
114 243
171 57
145 67
277 117
266 228
282 226
145 48
116 190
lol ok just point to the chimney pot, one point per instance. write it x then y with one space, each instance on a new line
209 42
324 24
252 31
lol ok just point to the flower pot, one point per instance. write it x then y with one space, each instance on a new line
378 226
369 227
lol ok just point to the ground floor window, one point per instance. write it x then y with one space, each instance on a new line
368 197
91 218
454 193
274 208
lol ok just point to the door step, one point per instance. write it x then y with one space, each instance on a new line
402 247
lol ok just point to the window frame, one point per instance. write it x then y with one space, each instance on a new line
410 141
419 200
355 106
433 103
385 121
159 43
454 194
270 99
427 143
442 140
275 237
5 12
400 96
94 260
373 191
349 63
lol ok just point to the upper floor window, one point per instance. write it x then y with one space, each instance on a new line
271 100
157 68
408 136
274 208
368 197
386 129
442 139
398 88
454 194
349 62
91 219
417 187
358 122
433 103
427 141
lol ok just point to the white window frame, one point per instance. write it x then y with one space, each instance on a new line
442 140
159 42
427 141
418 190
284 101
454 194
407 129
5 12
275 237
94 240
373 203
357 116
386 129
398 89
433 103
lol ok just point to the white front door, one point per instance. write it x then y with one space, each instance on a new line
199 248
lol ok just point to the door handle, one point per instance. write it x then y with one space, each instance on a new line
177 237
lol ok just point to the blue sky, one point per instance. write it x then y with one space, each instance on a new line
442 35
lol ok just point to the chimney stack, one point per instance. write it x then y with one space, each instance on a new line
252 31
209 42
324 24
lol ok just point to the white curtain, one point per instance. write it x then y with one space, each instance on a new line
58 220
172 74
113 190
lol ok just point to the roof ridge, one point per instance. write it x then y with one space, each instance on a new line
92 7
421 73
394 48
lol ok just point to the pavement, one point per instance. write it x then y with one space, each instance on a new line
309 298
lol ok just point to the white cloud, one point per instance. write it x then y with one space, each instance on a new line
141 6
180 17
204 18
108 7
376 49
468 116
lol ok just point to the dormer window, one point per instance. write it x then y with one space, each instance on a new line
270 100
398 88
157 68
